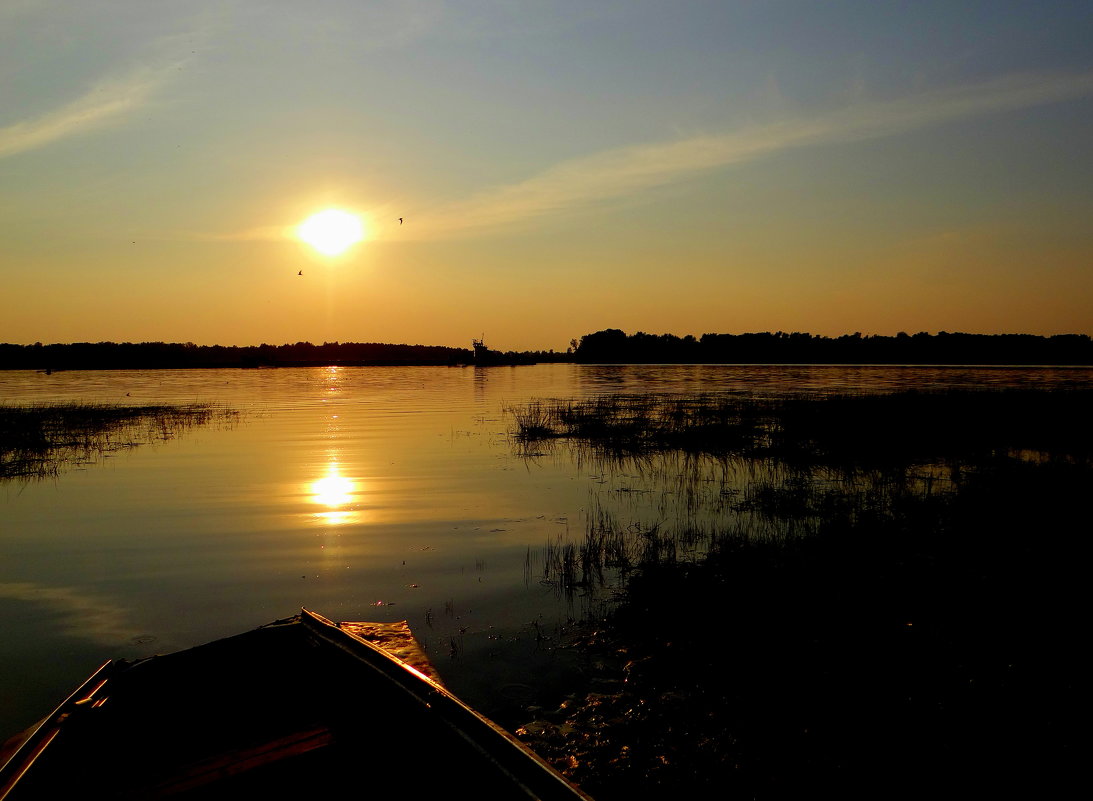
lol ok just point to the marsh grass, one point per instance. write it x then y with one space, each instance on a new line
640 424
42 440
864 594
696 470
836 429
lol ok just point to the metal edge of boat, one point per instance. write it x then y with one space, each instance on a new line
39 736
507 752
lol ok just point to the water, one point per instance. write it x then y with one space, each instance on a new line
361 493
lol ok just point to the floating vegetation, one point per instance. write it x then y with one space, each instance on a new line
42 440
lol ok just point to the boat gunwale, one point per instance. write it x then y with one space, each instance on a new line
37 737
506 752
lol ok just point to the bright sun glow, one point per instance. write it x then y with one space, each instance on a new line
333 490
331 231
338 494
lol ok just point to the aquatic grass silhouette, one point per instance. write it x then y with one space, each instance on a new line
533 421
41 440
606 552
636 424
868 593
704 467
841 429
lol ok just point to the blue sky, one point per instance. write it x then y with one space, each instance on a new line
561 167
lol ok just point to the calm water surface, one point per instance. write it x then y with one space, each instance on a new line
362 493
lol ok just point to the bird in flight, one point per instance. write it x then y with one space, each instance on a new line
400 221
300 273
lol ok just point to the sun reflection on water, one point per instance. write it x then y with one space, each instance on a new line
337 493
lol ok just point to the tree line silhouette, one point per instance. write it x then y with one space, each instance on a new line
614 346
171 355
607 346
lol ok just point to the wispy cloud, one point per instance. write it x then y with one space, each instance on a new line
109 102
602 177
608 175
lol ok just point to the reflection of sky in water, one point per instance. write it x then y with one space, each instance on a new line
80 614
339 488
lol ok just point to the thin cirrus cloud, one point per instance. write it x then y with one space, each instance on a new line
617 173
108 103
602 177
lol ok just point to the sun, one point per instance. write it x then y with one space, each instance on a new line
331 231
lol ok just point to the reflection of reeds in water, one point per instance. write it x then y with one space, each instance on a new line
897 578
698 471
640 424
835 429
39 441
607 552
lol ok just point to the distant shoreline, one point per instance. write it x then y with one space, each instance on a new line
610 346
299 365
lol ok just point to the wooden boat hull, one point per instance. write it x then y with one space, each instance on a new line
297 708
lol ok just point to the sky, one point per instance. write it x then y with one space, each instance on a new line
683 166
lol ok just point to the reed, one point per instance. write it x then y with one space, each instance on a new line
843 429
533 421
40 440
896 578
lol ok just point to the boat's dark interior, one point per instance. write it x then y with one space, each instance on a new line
274 713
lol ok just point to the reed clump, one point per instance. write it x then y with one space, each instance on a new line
844 429
885 600
41 440
635 424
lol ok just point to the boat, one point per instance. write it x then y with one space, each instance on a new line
298 708
484 357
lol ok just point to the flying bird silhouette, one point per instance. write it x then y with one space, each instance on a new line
300 273
400 221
